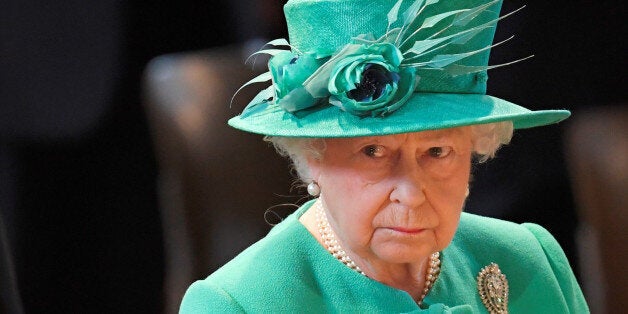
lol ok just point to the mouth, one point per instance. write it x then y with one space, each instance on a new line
407 230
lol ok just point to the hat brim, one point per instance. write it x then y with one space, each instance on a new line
424 111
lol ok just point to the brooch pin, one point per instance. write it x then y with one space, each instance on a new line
493 289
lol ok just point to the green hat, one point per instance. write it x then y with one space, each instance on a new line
377 67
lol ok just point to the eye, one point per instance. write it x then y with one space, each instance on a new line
439 152
374 151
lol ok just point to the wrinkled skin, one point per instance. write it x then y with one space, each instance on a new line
394 200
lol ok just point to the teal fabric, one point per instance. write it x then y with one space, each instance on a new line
441 99
422 112
322 26
288 271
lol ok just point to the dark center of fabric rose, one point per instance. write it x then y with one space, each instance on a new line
374 79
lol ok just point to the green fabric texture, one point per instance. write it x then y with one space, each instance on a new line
445 96
422 112
323 26
289 272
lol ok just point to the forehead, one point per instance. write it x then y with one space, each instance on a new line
433 135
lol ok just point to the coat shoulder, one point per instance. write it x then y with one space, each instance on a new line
535 265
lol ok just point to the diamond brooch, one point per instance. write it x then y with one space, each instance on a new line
493 289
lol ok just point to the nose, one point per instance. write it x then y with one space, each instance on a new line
408 184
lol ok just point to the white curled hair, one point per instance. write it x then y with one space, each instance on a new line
487 139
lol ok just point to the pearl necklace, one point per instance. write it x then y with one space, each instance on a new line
333 247
329 239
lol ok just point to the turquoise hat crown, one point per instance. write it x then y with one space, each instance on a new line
323 27
376 67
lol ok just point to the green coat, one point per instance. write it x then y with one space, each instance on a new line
289 271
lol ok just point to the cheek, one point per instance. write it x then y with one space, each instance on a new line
339 181
352 203
447 196
447 229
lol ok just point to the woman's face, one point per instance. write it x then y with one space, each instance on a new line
395 198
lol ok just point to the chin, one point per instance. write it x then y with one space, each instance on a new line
400 253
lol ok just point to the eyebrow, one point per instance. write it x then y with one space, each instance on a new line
370 140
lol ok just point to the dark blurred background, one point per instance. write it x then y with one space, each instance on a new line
82 220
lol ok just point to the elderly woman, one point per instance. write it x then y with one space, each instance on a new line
381 106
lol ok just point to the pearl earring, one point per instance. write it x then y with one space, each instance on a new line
313 189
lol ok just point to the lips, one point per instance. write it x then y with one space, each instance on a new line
407 230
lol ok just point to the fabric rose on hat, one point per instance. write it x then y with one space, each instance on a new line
364 79
289 71
369 81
